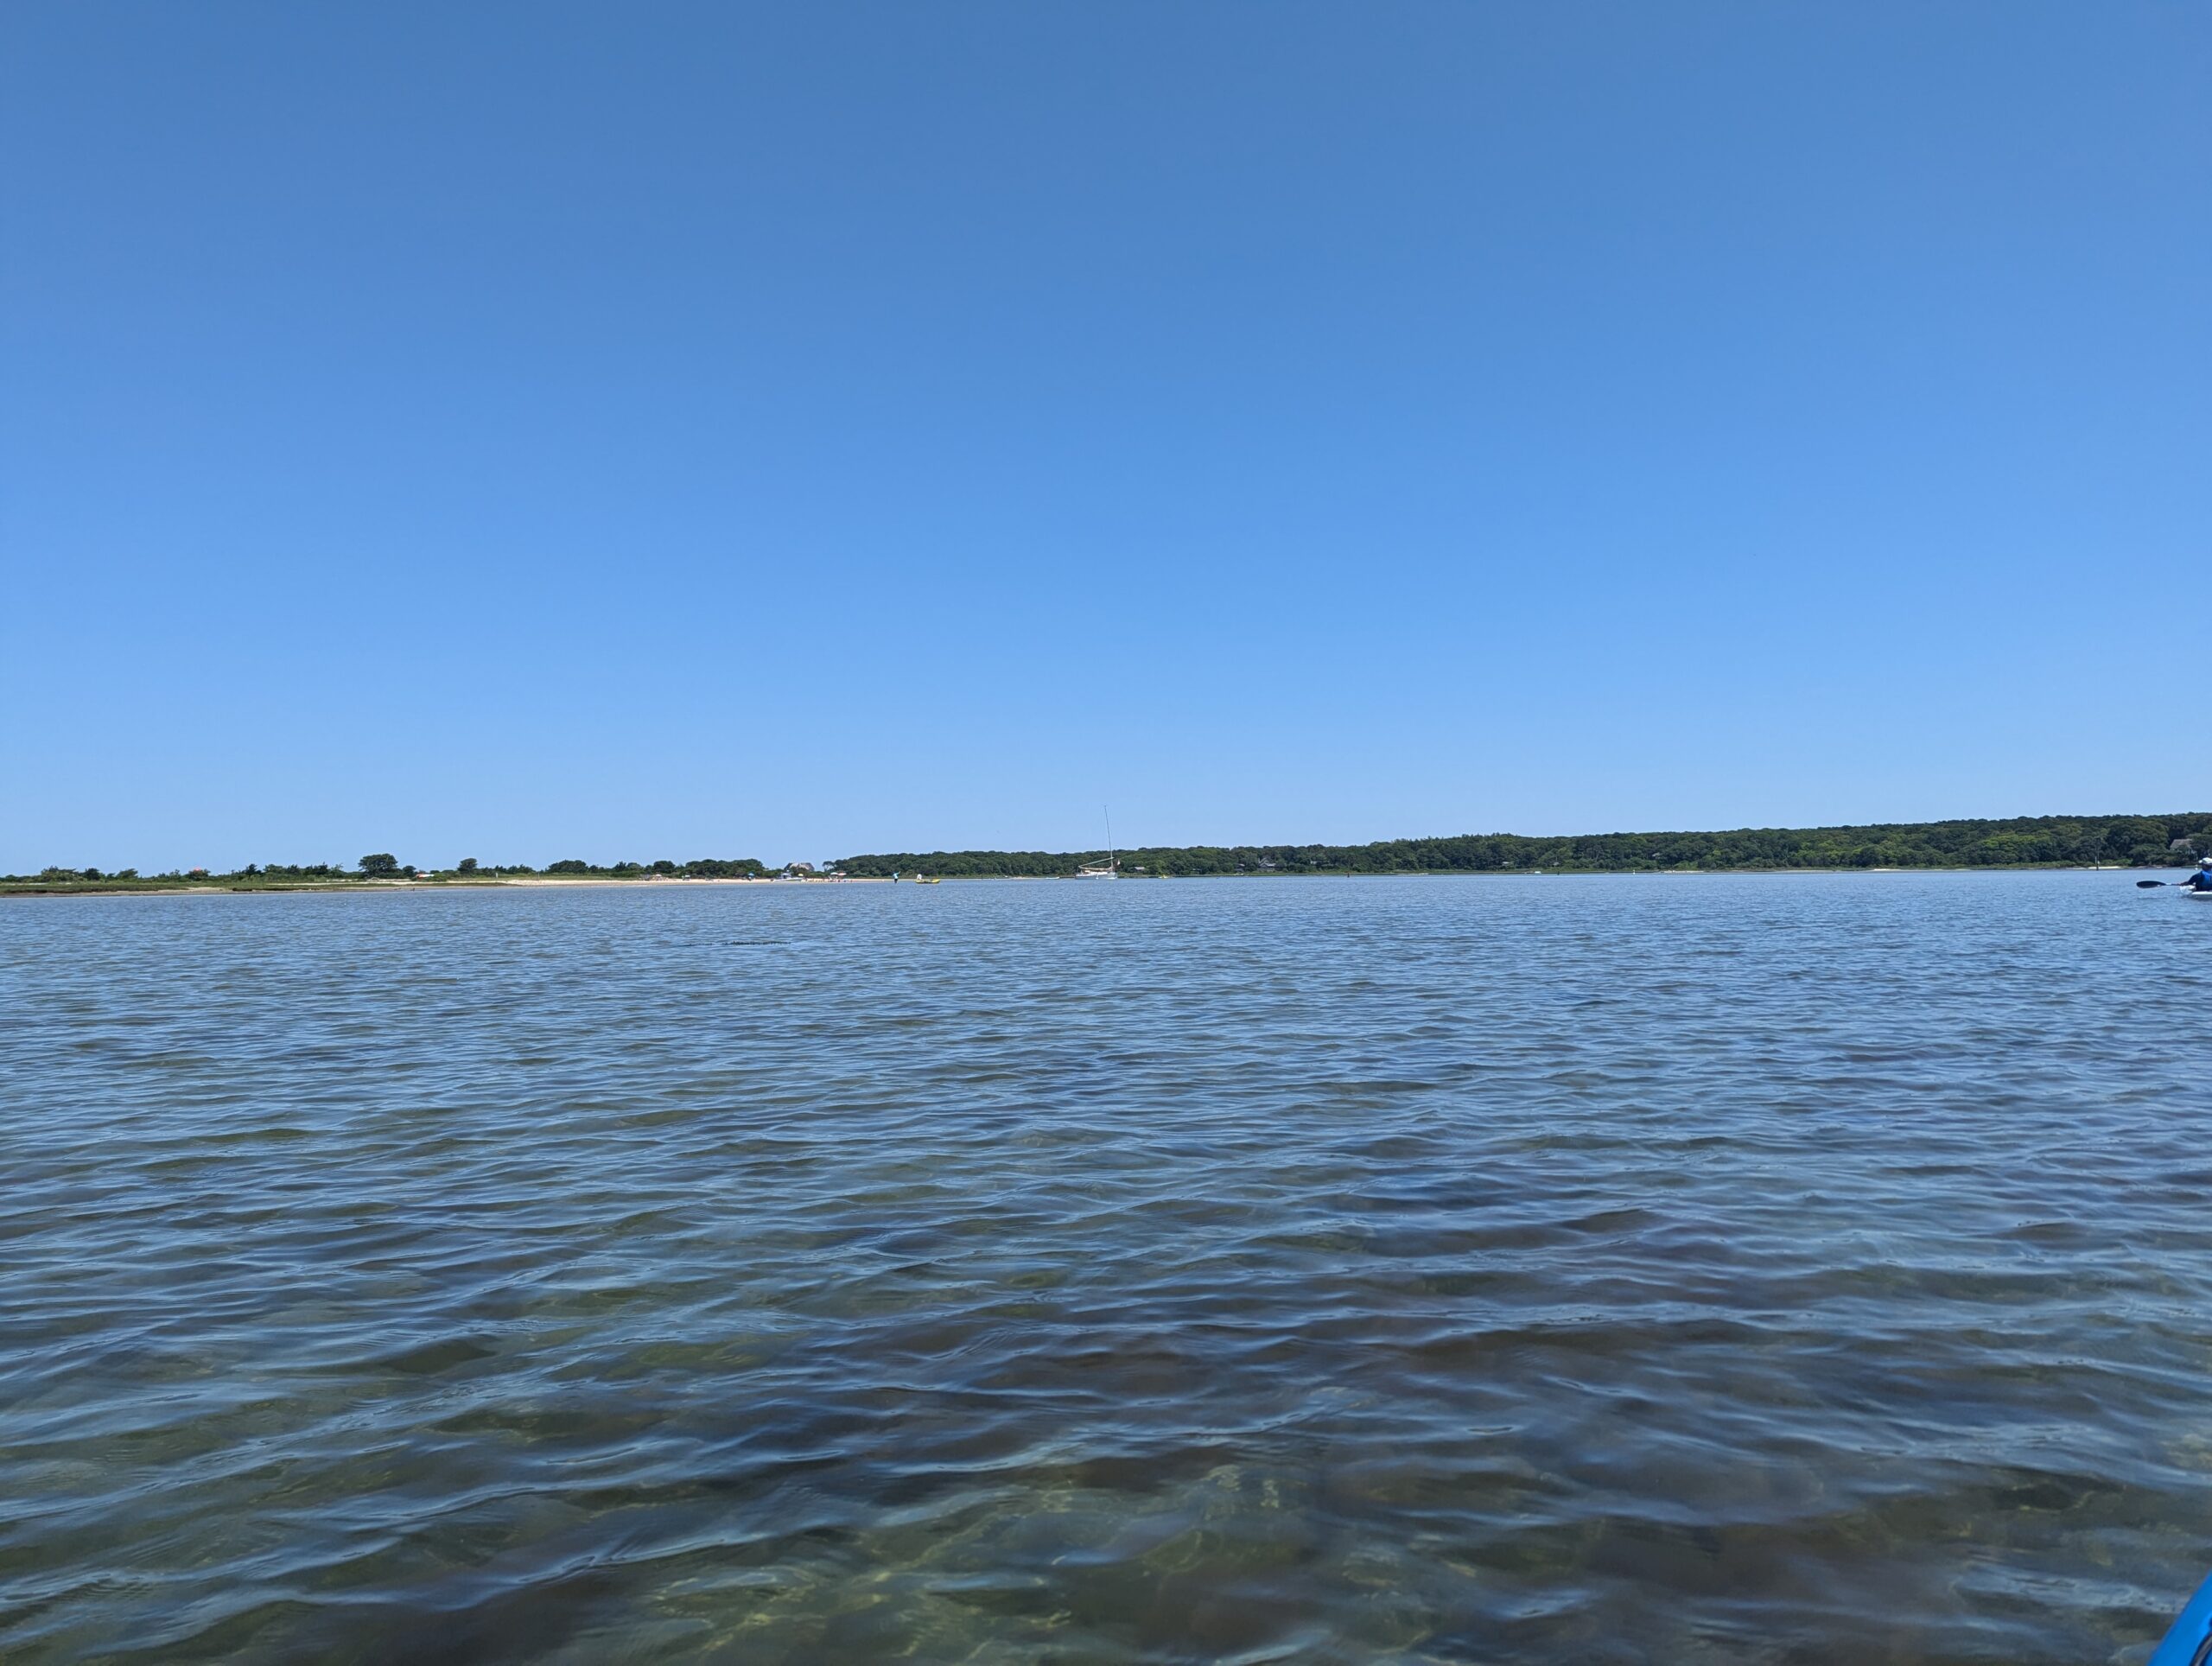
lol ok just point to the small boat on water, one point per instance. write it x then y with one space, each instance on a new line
1109 869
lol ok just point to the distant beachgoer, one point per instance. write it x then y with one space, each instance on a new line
2202 878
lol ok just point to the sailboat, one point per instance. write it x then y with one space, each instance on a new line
1109 869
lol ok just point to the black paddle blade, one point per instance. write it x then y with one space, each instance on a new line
2145 885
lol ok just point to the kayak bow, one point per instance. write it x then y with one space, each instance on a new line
2190 1641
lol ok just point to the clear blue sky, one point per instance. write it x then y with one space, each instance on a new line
548 430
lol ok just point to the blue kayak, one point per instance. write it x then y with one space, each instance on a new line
2190 1641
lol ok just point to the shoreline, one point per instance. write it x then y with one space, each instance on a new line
221 888
134 889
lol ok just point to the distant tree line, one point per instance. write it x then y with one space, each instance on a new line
702 867
382 865
2023 841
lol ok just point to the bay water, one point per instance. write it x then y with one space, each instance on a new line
1737 1268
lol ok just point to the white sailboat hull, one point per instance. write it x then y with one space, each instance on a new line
1109 869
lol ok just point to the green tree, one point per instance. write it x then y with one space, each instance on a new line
381 865
467 865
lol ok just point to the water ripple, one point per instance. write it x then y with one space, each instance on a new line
1760 1269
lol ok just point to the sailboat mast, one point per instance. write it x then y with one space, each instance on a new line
1111 864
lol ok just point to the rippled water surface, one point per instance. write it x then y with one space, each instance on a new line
1761 1269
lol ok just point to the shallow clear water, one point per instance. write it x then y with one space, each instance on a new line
1761 1268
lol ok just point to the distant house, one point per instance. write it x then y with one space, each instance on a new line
2183 845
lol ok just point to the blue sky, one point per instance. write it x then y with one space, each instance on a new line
541 430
